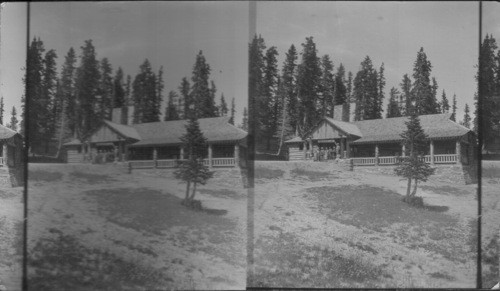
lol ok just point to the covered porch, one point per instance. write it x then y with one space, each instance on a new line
171 156
438 151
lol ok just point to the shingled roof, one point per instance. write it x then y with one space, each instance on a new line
216 129
346 127
125 130
436 126
6 133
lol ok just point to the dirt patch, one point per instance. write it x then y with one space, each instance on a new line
374 207
91 178
283 261
62 263
152 212
222 193
445 190
44 176
266 173
310 175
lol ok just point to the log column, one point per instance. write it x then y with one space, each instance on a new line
5 154
155 157
236 155
432 152
403 151
181 153
348 149
304 149
342 147
311 152
210 155
458 151
376 155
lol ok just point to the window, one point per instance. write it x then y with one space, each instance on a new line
301 146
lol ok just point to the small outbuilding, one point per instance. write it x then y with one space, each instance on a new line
11 158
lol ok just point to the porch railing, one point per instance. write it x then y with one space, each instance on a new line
173 163
392 160
387 160
166 163
145 164
363 161
223 162
445 159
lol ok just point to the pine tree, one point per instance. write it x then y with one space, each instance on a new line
47 101
422 89
434 95
467 118
223 106
454 108
186 97
106 96
213 92
171 110
268 103
13 119
200 91
331 92
255 84
1 110
288 83
33 84
87 88
145 95
445 105
365 92
233 111
193 171
308 86
380 95
68 120
413 167
393 109
119 93
244 122
488 89
128 91
158 100
349 87
340 86
406 96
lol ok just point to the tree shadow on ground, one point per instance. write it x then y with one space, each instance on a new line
218 212
436 208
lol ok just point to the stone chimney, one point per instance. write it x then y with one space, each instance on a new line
341 112
123 115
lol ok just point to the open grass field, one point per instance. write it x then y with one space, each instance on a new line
490 222
11 237
96 227
319 226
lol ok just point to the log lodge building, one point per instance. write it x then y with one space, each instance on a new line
157 144
378 142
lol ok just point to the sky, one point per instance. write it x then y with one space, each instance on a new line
169 34
388 32
13 34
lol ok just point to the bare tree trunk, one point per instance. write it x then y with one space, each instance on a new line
408 188
414 192
187 190
194 192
